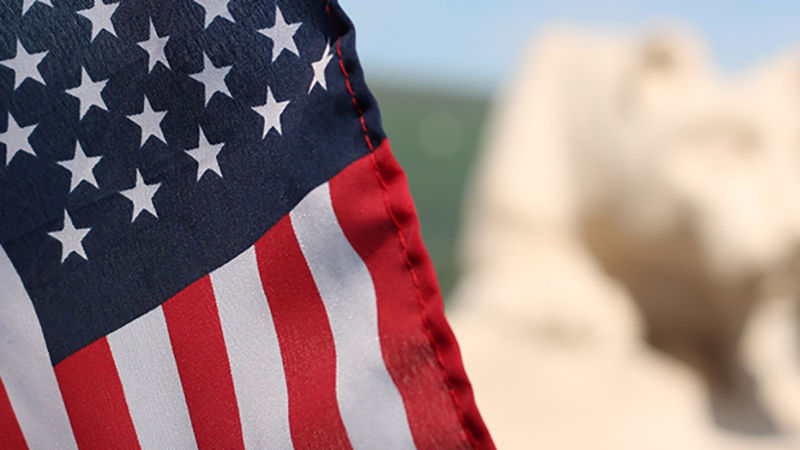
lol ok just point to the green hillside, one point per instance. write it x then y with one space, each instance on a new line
434 136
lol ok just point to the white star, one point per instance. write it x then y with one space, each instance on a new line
154 47
16 139
26 4
142 196
271 112
282 35
319 69
25 65
70 238
100 16
206 156
80 167
89 93
214 9
150 122
213 78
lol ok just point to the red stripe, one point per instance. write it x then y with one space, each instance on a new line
199 348
304 335
94 399
376 212
11 433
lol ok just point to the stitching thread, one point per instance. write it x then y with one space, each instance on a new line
403 244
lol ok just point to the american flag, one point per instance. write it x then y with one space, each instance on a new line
206 242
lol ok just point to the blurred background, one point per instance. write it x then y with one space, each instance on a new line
609 192
437 65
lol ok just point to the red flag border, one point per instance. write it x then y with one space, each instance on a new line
436 328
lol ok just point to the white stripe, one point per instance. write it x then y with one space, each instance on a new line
149 375
26 369
254 353
369 402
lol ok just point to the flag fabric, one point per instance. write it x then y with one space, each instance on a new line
206 242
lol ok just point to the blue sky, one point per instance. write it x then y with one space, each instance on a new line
474 43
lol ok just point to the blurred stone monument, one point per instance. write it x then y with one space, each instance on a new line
631 248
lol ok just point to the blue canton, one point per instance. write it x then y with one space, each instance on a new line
144 143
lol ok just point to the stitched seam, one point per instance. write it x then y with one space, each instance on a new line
403 244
